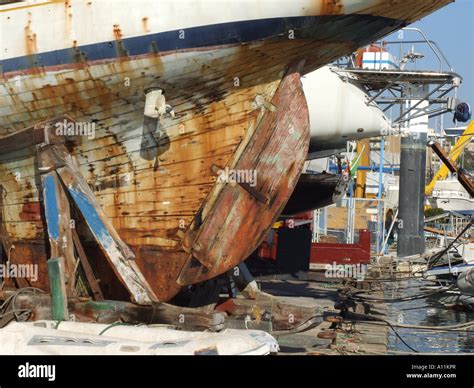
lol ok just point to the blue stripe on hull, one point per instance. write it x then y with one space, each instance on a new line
360 29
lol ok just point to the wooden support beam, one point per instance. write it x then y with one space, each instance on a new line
57 284
283 315
39 133
59 227
91 279
119 255
109 312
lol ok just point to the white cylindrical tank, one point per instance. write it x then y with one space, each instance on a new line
339 111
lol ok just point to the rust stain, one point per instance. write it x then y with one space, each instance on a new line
117 32
145 24
68 16
119 46
331 7
30 38
31 212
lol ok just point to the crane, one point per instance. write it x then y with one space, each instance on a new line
453 156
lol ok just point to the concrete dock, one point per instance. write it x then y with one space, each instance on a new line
313 289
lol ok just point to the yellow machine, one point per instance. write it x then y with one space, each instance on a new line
453 155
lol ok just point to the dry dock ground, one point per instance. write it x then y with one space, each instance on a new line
314 289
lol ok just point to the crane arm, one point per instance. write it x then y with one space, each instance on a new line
453 155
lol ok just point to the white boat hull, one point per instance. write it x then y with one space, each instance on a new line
69 338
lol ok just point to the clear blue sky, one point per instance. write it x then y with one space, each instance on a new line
452 28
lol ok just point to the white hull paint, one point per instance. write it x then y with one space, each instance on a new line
70 338
339 111
451 196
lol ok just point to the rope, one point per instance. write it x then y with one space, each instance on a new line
8 307
112 326
370 319
395 300
306 325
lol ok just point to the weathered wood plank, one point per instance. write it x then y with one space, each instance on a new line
30 136
91 279
57 284
276 153
114 311
282 315
59 227
117 252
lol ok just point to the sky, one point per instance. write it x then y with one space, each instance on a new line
452 28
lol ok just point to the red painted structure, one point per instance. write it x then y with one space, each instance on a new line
329 253
325 253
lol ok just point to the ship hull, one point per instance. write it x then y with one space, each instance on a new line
153 179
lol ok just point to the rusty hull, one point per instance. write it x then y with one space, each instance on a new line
275 147
238 219
158 186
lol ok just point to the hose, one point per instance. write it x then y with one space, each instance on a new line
8 307
306 325
395 300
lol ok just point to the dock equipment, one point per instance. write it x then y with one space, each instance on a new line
452 167
420 95
455 153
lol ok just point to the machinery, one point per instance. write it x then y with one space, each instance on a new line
455 153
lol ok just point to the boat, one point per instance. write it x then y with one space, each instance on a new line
451 196
74 338
153 105
339 112
447 271
452 299
466 282
315 191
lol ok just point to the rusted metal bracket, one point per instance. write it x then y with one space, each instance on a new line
260 102
246 186
453 168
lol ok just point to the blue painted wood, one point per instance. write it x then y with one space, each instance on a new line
92 218
51 205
